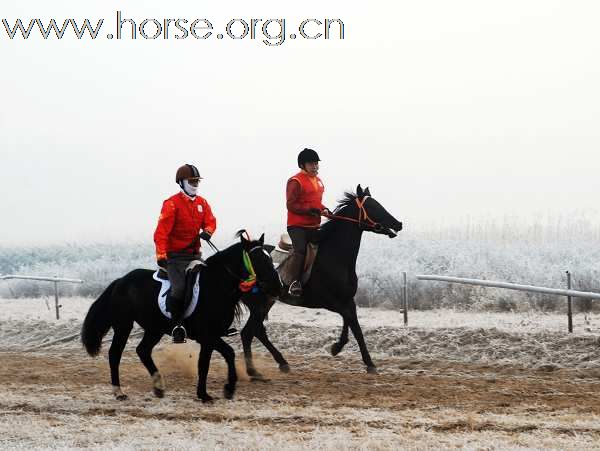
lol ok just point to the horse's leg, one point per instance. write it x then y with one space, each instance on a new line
229 355
247 336
121 334
357 332
144 351
206 350
337 347
261 334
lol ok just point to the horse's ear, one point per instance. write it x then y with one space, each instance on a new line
359 191
261 240
367 192
244 241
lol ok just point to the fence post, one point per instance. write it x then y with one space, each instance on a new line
569 304
54 280
56 298
405 298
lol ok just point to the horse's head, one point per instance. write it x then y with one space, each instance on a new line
370 214
267 278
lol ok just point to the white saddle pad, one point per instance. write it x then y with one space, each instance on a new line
162 296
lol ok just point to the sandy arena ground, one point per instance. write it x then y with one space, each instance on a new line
451 380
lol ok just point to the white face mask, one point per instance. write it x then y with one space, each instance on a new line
190 190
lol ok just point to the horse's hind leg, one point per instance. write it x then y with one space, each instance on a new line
229 355
261 334
337 347
144 351
357 332
121 334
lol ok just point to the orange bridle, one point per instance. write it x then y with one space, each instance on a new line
363 216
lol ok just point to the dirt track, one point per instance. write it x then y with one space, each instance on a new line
412 403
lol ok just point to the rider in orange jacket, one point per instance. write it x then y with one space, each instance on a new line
177 239
304 195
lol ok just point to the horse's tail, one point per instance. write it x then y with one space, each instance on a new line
97 322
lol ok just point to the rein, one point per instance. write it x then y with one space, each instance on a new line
362 216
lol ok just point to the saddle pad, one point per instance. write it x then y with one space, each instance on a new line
284 266
162 296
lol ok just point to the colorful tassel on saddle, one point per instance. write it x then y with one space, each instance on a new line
250 282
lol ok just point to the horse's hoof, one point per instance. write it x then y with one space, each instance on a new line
228 391
206 399
372 369
335 349
259 378
158 393
158 385
119 395
284 368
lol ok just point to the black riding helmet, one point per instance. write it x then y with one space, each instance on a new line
307 156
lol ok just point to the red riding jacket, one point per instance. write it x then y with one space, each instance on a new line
179 224
304 192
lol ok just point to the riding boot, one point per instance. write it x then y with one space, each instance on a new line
296 269
178 332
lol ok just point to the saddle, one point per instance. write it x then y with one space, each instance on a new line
192 274
194 264
281 255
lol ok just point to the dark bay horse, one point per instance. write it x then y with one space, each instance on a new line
133 297
333 282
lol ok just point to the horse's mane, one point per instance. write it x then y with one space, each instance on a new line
225 255
347 201
228 251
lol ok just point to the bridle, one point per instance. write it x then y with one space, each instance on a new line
364 221
248 283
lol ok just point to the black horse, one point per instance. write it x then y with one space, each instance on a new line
133 297
333 281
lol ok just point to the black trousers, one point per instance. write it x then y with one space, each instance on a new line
301 236
176 266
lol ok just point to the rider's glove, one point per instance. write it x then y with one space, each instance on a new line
205 235
314 212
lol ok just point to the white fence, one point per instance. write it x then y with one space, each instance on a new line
56 281
514 286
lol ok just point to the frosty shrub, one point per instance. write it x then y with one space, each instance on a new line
96 264
537 254
534 254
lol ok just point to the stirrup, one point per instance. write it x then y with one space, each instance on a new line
179 334
295 289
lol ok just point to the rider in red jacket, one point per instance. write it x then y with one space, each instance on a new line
304 195
177 239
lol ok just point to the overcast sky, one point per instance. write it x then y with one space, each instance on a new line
446 109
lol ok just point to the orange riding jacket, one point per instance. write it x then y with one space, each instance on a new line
179 224
304 192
